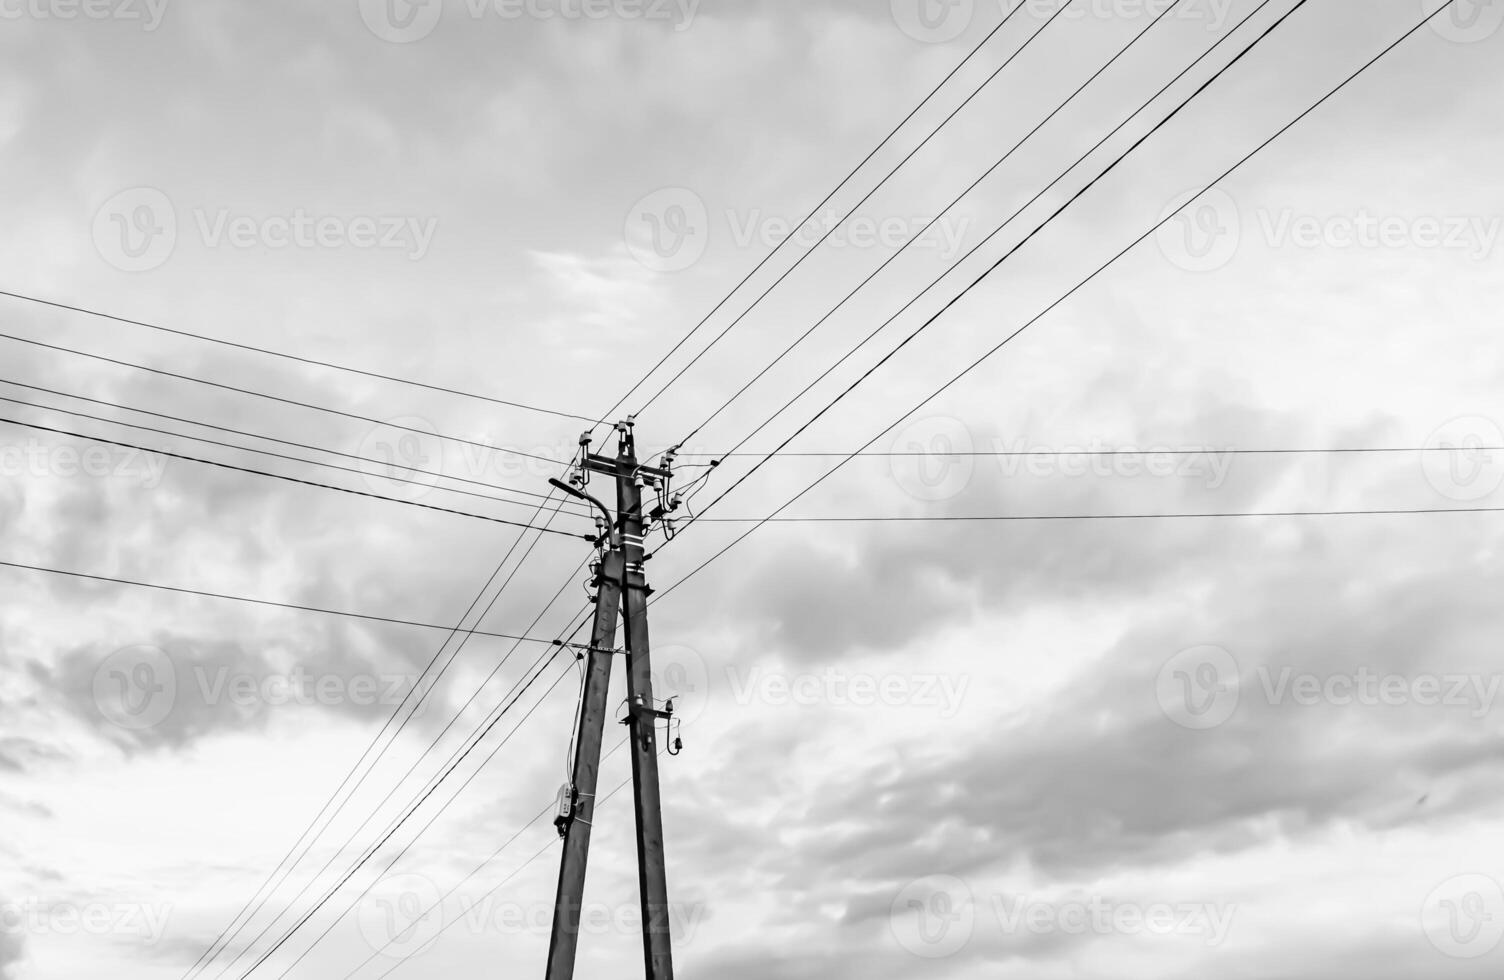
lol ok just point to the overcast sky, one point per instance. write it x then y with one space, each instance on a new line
1259 747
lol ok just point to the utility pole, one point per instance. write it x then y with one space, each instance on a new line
621 583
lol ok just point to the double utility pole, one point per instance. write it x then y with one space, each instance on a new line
621 588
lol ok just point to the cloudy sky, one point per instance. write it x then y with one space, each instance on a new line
1262 747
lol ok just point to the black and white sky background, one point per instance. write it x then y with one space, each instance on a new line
1260 747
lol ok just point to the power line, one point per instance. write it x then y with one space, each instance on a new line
474 739
273 398
431 785
285 457
1161 17
267 438
953 301
382 753
424 829
290 357
541 666
1080 285
494 888
1107 453
288 479
831 231
988 519
265 602
980 245
816 210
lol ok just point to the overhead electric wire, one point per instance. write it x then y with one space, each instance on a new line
984 242
228 934
275 398
1024 518
266 438
287 479
494 888
816 210
832 230
380 875
575 512
1162 16
1014 250
401 726
1059 453
1075 289
454 760
432 784
290 357
266 602
371 852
